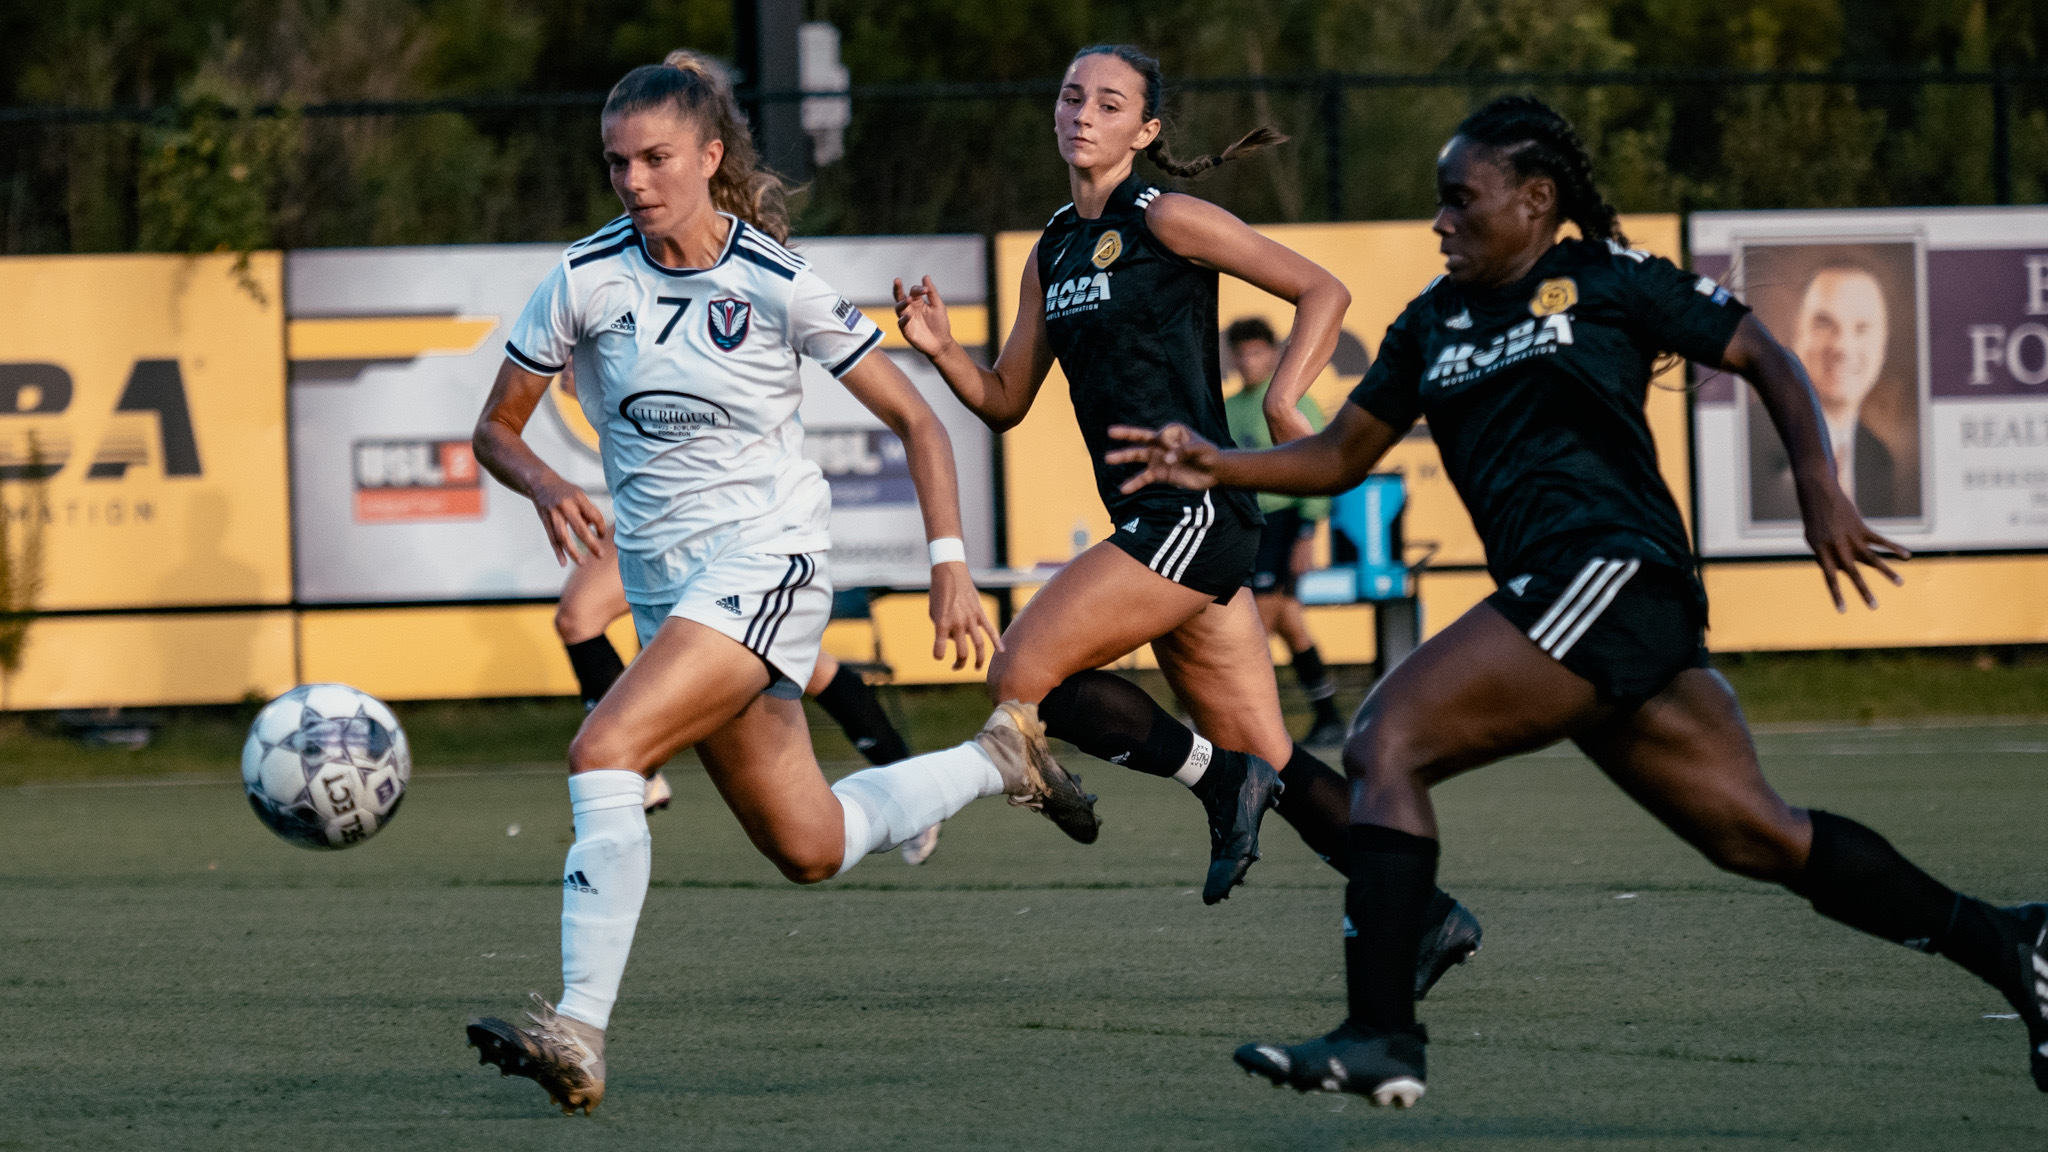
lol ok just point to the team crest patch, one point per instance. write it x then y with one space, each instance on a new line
728 320
1108 248
1553 297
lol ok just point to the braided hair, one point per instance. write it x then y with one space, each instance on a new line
1535 140
1264 136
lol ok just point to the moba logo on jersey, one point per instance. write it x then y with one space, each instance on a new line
728 320
401 480
35 440
673 415
1080 294
1553 297
1108 248
1459 363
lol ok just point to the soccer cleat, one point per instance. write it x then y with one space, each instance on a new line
1015 741
658 793
1384 1067
1454 940
1327 734
2030 948
1234 826
919 848
563 1055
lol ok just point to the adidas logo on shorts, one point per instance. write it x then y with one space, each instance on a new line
729 603
624 325
1130 525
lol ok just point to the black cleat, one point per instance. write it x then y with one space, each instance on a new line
1234 825
1384 1067
1452 939
2030 952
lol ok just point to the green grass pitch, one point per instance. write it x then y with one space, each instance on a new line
176 978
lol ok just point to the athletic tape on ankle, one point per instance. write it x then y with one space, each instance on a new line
1197 762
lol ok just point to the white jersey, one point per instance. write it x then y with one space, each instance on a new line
691 378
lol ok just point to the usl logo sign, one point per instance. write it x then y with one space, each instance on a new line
728 320
403 480
674 415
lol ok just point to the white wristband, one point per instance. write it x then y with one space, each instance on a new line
947 549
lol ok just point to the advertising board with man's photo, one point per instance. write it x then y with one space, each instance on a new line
1925 335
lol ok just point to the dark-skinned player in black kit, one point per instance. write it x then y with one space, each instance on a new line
1530 359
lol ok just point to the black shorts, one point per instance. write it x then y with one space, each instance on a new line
1273 570
1626 625
1192 539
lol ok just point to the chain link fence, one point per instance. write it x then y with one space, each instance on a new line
202 175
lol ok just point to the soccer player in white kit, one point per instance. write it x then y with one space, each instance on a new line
687 318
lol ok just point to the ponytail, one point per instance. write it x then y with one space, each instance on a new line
1536 141
1264 136
697 89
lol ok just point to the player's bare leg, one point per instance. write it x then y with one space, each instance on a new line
592 599
757 750
1686 757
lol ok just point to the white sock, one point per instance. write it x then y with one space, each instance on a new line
604 882
1197 763
886 806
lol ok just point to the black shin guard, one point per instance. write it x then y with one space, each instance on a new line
1855 876
1112 719
1317 803
850 701
597 666
1393 881
1312 676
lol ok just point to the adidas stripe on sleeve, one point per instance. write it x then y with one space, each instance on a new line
826 327
547 331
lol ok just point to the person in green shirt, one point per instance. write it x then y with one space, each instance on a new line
1286 544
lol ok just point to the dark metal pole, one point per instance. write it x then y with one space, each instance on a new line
764 42
2001 138
1333 146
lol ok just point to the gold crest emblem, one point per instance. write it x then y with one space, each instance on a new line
1108 248
1554 296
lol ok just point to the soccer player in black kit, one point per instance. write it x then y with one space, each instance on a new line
1530 358
1121 289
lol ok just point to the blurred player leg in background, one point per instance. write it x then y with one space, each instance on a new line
1286 550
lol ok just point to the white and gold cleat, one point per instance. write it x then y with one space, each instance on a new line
562 1054
1014 740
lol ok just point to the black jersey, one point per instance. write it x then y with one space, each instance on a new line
1534 394
1134 327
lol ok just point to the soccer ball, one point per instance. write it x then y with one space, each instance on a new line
326 766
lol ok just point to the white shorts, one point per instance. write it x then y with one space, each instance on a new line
775 605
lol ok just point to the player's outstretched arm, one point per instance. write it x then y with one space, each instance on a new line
1331 461
1000 396
1212 237
566 511
955 603
1841 541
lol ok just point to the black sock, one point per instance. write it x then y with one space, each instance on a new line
1393 883
597 666
1315 684
1855 876
849 700
1112 719
1317 803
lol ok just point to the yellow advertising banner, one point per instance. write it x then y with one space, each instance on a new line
1054 512
142 428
